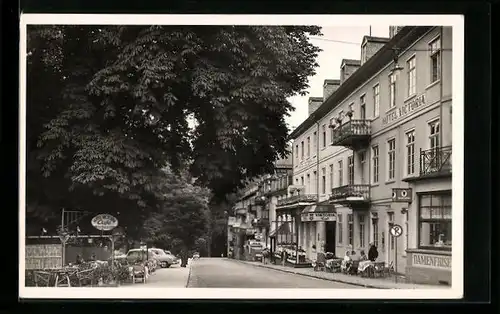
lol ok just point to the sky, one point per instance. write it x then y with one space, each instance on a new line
329 61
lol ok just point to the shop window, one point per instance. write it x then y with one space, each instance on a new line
435 220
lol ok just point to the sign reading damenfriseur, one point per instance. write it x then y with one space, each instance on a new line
431 261
404 110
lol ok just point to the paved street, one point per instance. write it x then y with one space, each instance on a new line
173 277
223 273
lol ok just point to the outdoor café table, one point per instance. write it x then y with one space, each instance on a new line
363 265
63 275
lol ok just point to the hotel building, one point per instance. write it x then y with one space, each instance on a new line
375 152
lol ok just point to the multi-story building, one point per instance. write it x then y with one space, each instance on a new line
254 212
377 149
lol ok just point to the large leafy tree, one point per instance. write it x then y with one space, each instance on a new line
108 106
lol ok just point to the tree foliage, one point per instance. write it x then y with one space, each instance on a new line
108 106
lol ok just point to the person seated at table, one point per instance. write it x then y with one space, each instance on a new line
346 262
363 256
79 259
354 256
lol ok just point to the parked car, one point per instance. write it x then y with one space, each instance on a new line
165 258
135 256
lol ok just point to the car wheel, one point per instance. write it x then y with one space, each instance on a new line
167 265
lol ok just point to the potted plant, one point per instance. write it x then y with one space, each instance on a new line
350 113
338 120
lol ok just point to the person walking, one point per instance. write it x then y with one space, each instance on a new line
372 252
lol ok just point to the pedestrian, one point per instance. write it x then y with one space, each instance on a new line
372 252
363 256
79 259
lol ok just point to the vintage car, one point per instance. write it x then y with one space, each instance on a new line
164 258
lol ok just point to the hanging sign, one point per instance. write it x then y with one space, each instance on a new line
401 195
104 222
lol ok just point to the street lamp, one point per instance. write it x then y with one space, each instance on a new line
396 69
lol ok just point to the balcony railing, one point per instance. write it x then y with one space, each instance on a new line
435 161
301 198
350 194
353 134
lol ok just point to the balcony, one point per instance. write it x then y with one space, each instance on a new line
354 134
434 163
354 196
300 199
240 211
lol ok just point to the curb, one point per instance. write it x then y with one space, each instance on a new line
189 274
311 276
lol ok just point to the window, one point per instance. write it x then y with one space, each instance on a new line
362 108
406 228
340 226
302 180
324 135
435 51
375 158
331 130
315 143
331 176
391 155
362 157
392 91
350 226
323 181
351 109
308 147
412 77
361 230
308 176
297 181
410 153
390 218
302 150
350 170
376 100
434 135
341 171
297 151
375 232
315 182
435 220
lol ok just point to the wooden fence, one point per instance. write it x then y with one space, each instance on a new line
43 256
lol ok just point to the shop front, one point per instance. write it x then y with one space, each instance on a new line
318 229
430 259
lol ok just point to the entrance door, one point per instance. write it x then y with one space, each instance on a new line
330 237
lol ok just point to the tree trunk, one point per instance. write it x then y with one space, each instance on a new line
184 257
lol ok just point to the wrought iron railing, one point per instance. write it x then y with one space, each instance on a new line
351 128
435 161
354 190
306 198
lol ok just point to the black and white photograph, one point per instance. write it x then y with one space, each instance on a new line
241 156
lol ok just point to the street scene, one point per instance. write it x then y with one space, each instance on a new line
238 156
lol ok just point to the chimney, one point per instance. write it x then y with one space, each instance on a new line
347 68
329 87
314 103
393 30
370 45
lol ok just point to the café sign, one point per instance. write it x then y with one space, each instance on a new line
104 222
405 110
431 261
319 217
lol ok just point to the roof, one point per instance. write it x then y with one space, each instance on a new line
403 39
376 39
334 82
351 62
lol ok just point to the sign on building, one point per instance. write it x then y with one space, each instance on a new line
405 110
402 195
104 222
431 261
319 217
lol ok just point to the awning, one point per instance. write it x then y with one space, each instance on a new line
318 213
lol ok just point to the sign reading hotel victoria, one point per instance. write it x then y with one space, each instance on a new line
416 103
431 261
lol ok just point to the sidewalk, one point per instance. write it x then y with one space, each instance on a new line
377 283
